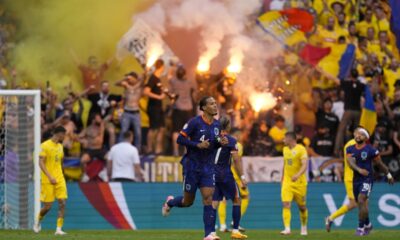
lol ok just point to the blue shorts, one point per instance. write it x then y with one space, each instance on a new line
197 179
362 187
225 188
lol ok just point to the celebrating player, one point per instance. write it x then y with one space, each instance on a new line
294 182
243 192
52 179
360 157
225 185
200 137
348 184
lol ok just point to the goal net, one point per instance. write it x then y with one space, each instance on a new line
19 151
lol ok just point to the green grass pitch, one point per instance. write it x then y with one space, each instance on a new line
190 235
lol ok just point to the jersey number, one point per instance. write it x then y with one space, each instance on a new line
366 187
202 138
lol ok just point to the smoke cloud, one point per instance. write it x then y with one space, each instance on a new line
47 30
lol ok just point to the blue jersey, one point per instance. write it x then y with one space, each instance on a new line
223 160
364 158
198 130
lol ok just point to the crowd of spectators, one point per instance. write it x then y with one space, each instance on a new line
321 109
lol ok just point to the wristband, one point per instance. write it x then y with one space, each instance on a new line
243 177
389 176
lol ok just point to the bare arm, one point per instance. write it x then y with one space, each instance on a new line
147 92
138 171
383 168
109 167
302 169
42 166
352 164
74 56
237 160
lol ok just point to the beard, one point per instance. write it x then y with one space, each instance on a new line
359 141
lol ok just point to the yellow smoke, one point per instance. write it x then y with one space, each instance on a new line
49 29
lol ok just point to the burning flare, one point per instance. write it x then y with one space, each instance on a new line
235 64
262 101
154 53
203 65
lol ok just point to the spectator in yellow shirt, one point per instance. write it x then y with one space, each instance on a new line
382 21
362 27
328 34
277 133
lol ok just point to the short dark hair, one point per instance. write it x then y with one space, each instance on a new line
279 118
224 121
203 102
59 129
131 74
292 135
127 135
159 64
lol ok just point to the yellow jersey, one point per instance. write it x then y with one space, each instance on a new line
240 153
292 163
53 155
348 172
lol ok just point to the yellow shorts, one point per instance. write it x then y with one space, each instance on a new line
297 193
50 192
349 189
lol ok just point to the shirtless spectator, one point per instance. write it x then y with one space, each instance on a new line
102 103
92 73
93 157
131 115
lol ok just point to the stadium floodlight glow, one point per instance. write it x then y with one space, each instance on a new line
19 157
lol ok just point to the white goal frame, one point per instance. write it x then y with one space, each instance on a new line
37 139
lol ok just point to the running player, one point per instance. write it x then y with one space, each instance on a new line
200 137
243 192
360 157
52 178
348 184
225 185
294 182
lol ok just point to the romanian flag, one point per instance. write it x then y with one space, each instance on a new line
290 26
368 114
287 26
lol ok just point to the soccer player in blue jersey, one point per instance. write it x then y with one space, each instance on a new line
360 157
201 137
225 184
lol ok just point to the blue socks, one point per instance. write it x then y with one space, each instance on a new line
176 202
236 216
209 219
366 221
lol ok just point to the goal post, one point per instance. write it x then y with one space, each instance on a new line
20 136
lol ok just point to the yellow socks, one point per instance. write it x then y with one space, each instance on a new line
60 222
286 217
244 205
222 212
344 209
40 217
304 217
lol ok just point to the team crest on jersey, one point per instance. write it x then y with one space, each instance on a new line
364 155
216 131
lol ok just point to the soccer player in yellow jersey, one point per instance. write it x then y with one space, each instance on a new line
348 184
52 179
294 182
244 196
